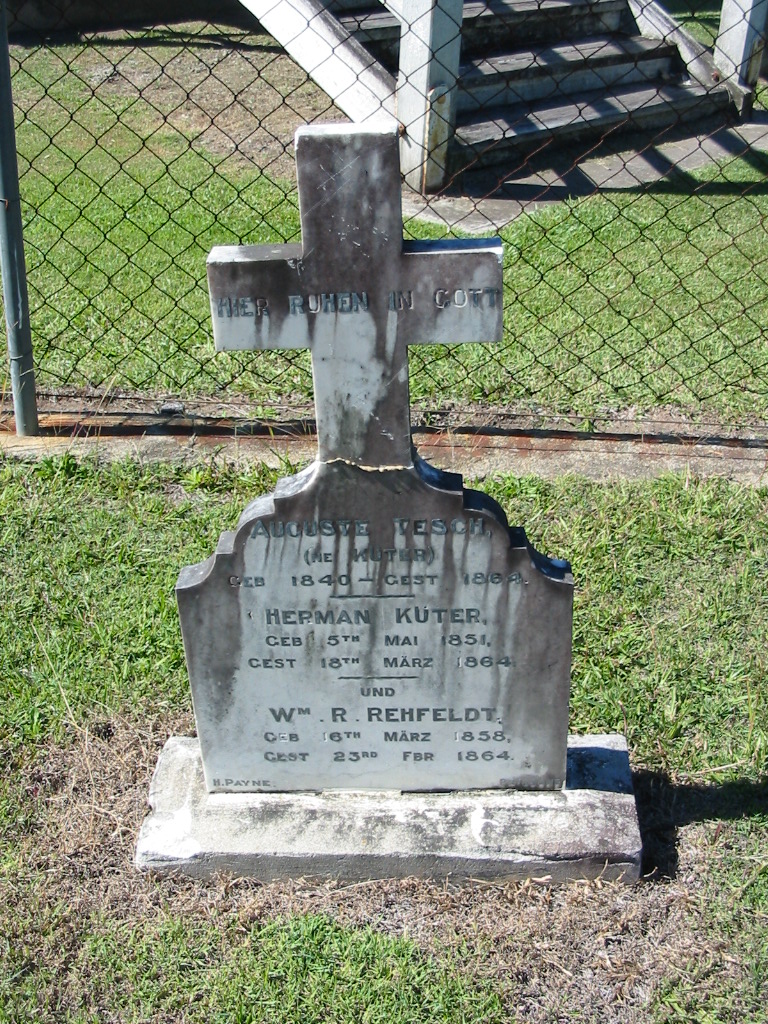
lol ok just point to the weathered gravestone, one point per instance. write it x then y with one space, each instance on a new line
380 665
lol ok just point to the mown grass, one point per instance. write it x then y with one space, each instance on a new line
616 300
669 647
303 969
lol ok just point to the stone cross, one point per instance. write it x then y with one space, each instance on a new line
355 293
379 664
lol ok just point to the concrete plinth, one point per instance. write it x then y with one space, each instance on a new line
589 829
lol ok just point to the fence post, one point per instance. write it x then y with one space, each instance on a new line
430 47
12 266
739 44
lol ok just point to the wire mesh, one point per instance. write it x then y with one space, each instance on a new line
628 188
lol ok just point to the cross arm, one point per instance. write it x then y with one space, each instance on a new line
250 288
454 290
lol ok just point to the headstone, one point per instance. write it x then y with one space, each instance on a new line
380 665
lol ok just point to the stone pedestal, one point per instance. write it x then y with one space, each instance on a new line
586 830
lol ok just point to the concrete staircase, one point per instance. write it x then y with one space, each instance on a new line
536 71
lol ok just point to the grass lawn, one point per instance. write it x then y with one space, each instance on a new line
670 619
617 301
701 18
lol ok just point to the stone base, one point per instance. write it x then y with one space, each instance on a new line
589 829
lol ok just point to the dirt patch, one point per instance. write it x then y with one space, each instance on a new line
232 92
588 950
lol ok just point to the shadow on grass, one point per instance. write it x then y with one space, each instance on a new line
226 34
663 807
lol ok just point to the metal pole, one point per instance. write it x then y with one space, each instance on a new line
12 266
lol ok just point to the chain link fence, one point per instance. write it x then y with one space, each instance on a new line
629 190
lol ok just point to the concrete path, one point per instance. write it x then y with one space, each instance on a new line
540 453
490 200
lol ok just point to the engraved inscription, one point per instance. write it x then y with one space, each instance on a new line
322 303
345 634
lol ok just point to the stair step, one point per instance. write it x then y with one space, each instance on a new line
339 7
489 138
564 69
498 22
